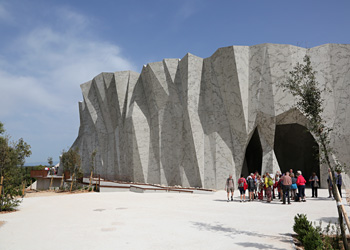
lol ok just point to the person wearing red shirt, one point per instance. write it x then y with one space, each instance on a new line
301 185
241 186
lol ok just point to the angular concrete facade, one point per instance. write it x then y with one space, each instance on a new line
194 121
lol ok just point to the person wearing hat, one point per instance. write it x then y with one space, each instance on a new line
251 186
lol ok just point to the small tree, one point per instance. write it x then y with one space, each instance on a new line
2 130
92 161
50 162
12 159
92 166
302 84
71 162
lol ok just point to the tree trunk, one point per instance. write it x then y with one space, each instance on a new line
336 194
1 183
342 229
341 212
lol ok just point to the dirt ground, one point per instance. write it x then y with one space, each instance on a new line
30 194
33 193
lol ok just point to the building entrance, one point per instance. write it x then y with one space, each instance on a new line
253 155
295 148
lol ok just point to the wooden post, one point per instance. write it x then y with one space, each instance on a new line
95 185
23 188
90 180
339 200
99 182
71 185
51 183
2 180
31 183
61 186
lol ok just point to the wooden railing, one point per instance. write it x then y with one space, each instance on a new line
38 173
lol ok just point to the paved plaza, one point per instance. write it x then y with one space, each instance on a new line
127 220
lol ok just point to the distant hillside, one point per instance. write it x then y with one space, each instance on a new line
32 164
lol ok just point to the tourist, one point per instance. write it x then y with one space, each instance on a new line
260 187
291 172
280 188
241 186
314 183
276 185
301 186
287 183
229 188
251 186
294 187
339 181
273 181
256 174
268 185
330 184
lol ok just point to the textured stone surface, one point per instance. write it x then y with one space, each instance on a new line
188 122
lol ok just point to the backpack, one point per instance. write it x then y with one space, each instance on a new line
240 183
270 182
251 182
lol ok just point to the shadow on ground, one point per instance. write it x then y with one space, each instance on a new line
258 245
333 220
226 200
233 232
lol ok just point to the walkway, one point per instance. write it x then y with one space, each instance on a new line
127 220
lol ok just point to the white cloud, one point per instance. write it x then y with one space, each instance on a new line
18 92
188 9
77 21
40 76
52 62
4 14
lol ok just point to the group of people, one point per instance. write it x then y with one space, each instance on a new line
52 170
289 186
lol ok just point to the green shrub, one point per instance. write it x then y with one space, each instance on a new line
332 237
301 226
9 204
312 240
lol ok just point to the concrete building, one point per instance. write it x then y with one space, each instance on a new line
44 180
194 121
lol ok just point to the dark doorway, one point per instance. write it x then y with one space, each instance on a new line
296 149
253 155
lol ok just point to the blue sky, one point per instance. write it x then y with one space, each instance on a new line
48 48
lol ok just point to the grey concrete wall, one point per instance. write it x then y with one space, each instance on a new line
44 183
188 122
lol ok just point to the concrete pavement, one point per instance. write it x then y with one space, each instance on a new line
127 220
